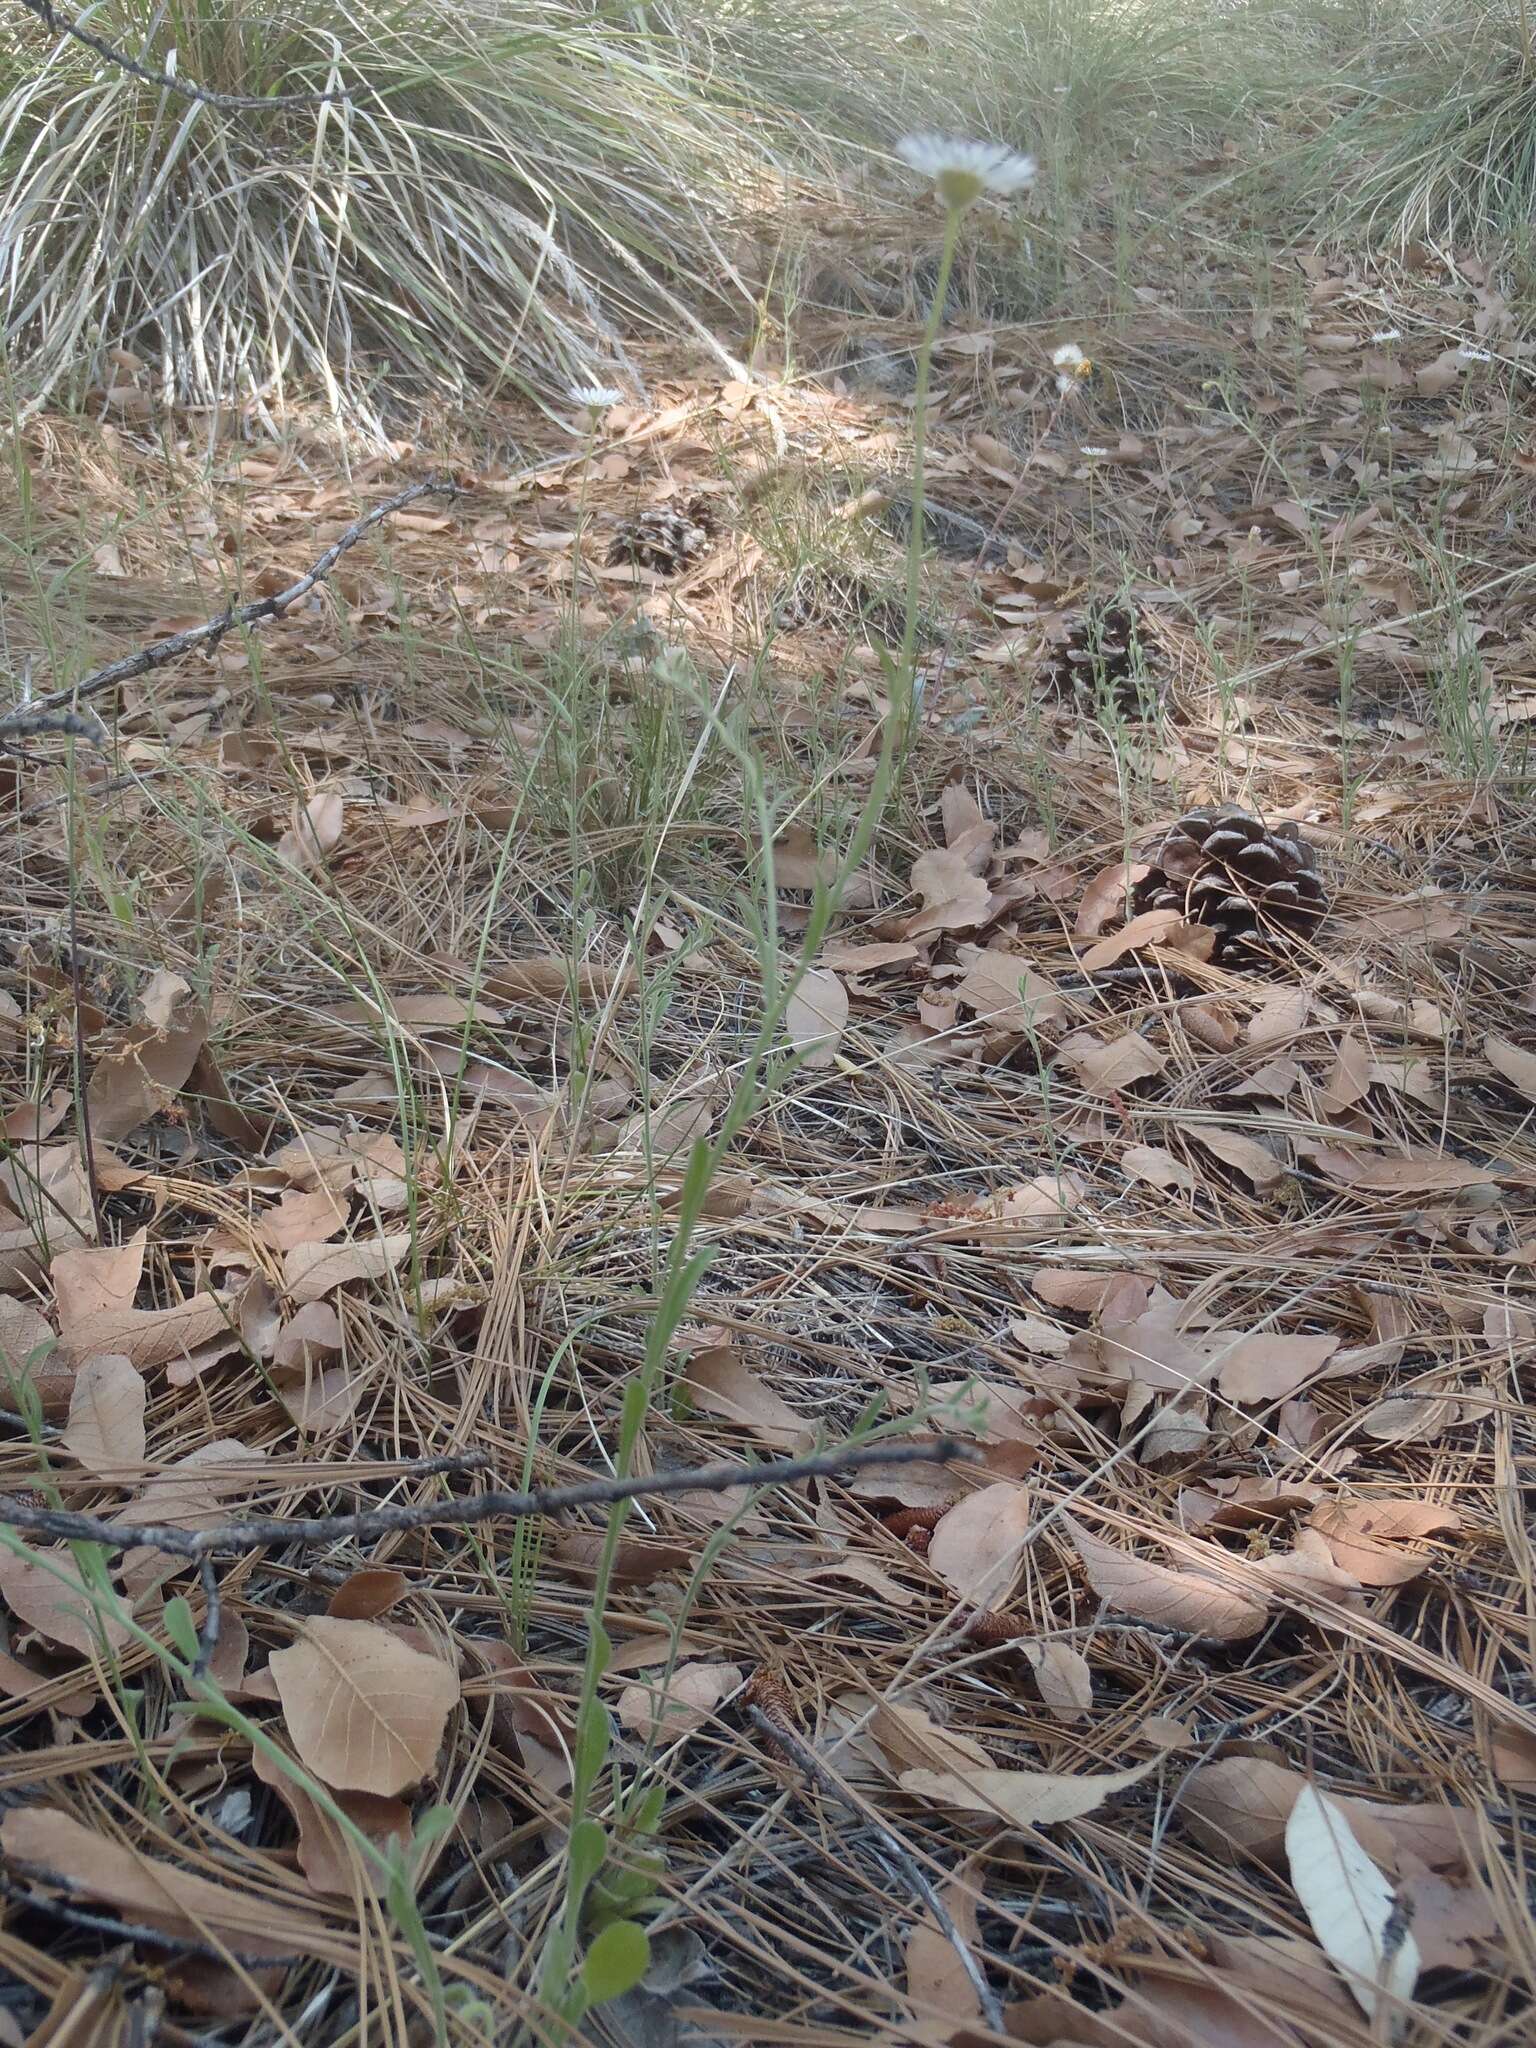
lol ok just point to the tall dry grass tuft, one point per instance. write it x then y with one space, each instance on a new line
501 185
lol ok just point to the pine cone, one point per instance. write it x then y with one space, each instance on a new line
1098 657
1224 867
666 538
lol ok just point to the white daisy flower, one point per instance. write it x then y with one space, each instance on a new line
961 171
1388 334
1468 354
595 397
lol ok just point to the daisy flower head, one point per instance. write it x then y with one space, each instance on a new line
595 398
962 171
1071 367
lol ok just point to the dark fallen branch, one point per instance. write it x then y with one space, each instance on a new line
236 1539
230 102
212 631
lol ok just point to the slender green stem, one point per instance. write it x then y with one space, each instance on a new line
908 662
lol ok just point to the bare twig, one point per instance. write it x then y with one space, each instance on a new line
212 631
232 1539
785 1739
230 102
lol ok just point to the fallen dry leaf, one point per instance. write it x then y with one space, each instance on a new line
816 1017
953 898
1105 1069
1170 1599
45 1590
314 829
1107 895
1024 1799
686 1703
978 1548
146 1889
1270 1365
326 1856
365 1711
311 1271
721 1382
1360 1535
105 1430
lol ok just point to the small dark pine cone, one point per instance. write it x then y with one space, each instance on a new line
1094 660
1257 884
666 538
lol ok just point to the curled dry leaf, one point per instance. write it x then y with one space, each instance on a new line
105 1430
1187 1601
1151 928
816 1017
1353 1910
143 1888
1513 1064
311 1271
1023 1799
978 1548
1063 1676
722 1384
30 1357
365 1711
911 1739
326 1856
314 828
1108 896
953 898
1360 1534
694 1693
149 1063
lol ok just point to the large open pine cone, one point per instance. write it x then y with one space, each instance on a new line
1253 882
1097 658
